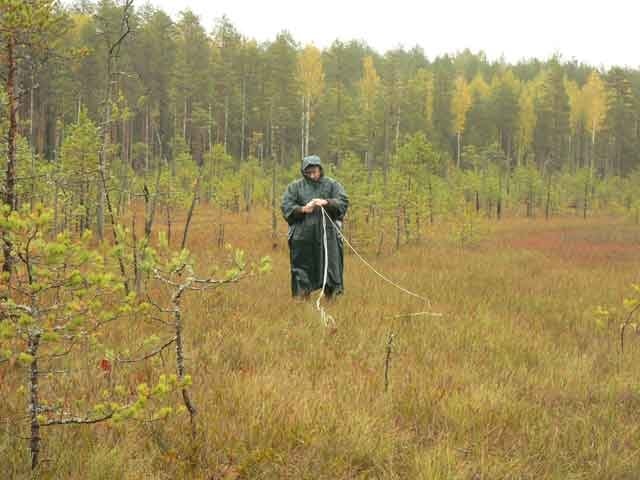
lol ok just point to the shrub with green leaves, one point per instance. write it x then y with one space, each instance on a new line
627 316
56 309
174 274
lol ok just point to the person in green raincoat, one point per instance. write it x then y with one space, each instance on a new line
302 205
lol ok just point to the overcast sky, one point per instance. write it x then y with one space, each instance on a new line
599 32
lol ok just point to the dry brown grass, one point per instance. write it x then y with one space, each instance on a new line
514 381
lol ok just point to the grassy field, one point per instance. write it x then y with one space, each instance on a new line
514 380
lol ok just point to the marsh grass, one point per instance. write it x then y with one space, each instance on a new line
513 381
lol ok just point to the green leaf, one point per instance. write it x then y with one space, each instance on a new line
143 390
163 413
25 358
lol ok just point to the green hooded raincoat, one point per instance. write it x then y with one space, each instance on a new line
305 232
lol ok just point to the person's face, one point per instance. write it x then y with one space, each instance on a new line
313 173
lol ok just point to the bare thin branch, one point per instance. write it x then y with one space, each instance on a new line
148 355
77 420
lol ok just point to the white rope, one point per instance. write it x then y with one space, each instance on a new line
385 278
327 319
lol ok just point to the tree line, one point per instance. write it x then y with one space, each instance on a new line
175 81
104 103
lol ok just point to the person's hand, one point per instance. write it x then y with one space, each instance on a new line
316 202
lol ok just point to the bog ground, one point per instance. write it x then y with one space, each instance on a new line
517 379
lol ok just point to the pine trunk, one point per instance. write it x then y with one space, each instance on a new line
243 124
307 125
302 123
10 179
226 122
34 400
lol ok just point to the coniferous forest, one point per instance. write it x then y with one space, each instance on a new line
141 90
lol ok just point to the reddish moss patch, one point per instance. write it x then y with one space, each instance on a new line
575 246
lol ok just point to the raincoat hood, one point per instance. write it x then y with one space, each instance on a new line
310 161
